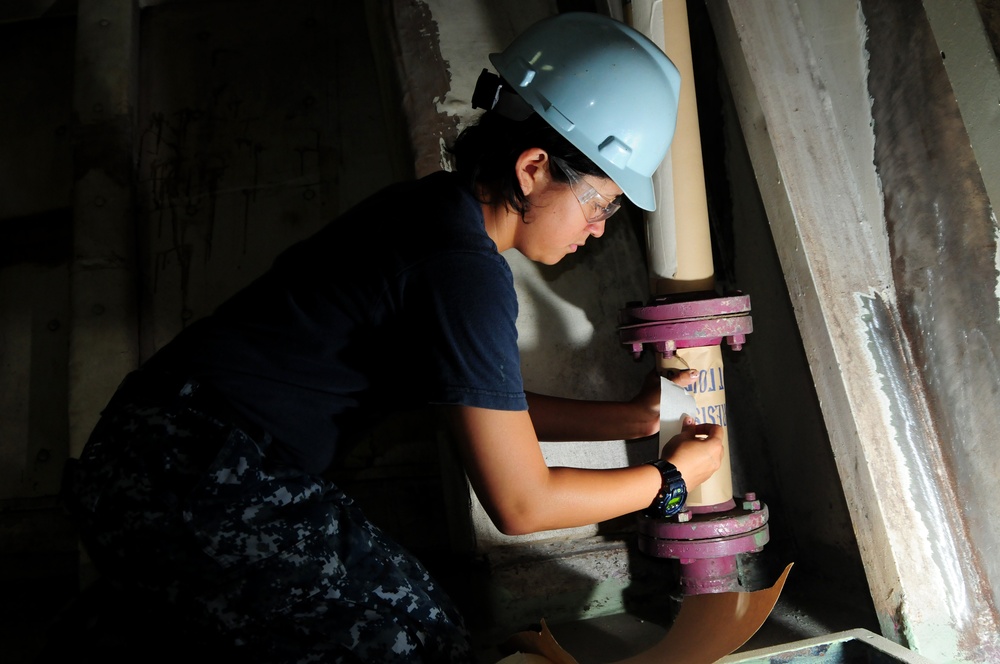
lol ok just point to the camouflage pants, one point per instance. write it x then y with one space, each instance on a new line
186 508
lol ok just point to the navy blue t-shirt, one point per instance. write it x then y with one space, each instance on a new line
402 301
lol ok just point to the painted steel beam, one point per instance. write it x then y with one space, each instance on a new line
792 80
103 338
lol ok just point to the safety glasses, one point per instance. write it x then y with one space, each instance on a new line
596 207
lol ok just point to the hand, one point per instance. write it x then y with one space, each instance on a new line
648 397
681 377
696 451
644 408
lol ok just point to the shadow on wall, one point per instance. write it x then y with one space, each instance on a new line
568 318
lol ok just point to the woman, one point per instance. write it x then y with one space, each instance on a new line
202 487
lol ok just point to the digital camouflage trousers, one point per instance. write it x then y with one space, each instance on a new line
184 507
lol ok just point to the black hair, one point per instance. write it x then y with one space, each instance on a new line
486 154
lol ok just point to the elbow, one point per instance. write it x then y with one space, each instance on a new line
514 528
514 521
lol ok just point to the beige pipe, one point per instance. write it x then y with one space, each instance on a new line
710 399
695 270
682 207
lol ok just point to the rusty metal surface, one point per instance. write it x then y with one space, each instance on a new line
737 521
690 321
706 535
716 547
702 307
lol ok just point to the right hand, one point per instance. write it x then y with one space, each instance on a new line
696 451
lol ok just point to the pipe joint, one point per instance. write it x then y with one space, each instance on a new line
685 321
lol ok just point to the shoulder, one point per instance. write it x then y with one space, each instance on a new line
440 192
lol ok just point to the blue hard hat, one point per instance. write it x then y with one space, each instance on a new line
605 87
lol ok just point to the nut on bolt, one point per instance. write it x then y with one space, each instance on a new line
750 502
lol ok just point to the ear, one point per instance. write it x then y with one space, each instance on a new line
532 169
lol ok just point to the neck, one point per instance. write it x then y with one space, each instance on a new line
501 223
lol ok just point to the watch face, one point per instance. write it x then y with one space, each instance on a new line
675 501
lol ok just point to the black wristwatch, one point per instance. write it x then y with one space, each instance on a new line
670 500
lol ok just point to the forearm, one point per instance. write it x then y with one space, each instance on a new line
559 419
522 494
574 497
567 497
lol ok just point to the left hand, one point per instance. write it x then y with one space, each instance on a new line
649 394
681 377
648 397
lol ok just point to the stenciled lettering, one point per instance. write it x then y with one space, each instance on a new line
715 414
709 380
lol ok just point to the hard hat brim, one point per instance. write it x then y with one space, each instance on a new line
637 188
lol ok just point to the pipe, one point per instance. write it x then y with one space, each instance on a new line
695 267
688 201
681 220
686 323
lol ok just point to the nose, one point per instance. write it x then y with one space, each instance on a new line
596 228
